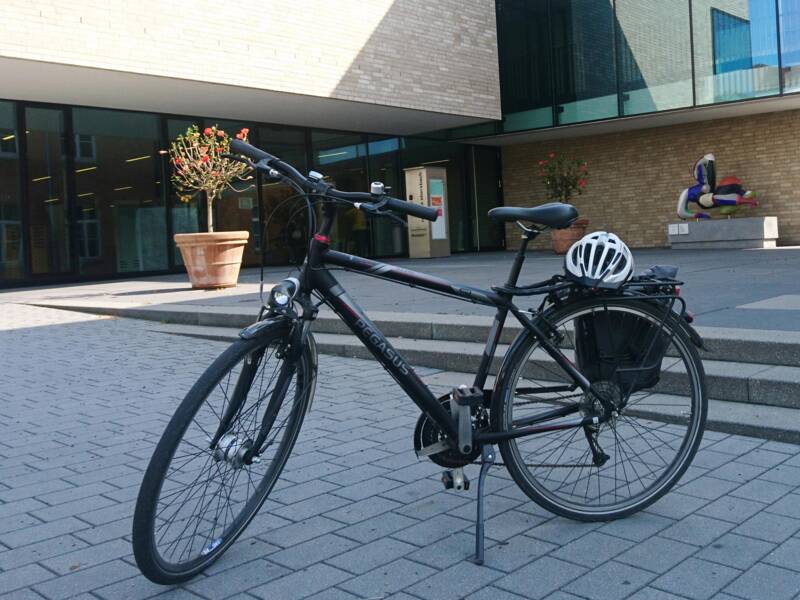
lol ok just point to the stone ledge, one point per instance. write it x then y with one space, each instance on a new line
750 232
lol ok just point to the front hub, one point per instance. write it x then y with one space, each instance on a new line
234 450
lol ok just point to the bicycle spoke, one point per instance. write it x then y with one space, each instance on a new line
642 441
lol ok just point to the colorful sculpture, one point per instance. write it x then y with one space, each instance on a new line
728 196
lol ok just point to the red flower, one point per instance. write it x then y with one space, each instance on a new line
542 163
583 168
221 133
178 160
582 183
208 131
204 159
218 149
552 155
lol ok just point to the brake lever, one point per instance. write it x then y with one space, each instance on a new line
375 210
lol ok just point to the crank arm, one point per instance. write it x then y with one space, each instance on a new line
440 446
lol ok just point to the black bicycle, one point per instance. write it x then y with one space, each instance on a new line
598 408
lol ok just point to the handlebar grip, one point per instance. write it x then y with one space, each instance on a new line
415 210
251 152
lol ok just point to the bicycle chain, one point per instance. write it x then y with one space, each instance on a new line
547 465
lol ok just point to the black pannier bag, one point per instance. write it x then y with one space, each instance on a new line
623 348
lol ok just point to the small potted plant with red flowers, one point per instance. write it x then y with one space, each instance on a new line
564 176
212 259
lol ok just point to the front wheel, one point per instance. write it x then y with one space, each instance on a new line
641 361
198 495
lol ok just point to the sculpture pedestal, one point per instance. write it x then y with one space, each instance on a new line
750 232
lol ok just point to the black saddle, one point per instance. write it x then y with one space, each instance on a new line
553 214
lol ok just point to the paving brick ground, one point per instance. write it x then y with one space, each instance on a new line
83 400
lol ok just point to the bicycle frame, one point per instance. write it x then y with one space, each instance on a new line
315 277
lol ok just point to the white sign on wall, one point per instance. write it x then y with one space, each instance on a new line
436 193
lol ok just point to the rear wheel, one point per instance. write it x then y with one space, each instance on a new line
195 499
639 358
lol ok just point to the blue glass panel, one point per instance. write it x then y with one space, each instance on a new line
735 50
790 44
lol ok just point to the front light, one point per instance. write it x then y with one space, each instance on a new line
283 293
281 298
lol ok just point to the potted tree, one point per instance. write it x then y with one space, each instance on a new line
564 176
212 259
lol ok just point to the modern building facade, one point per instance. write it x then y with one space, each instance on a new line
641 89
92 92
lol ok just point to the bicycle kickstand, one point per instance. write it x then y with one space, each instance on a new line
487 460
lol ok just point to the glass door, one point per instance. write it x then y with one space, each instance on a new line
48 204
389 237
488 194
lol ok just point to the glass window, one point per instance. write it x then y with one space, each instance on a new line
185 215
583 60
235 210
790 44
341 157
121 217
655 63
285 220
735 50
388 236
526 83
48 206
10 219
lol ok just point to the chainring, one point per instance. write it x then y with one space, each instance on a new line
427 432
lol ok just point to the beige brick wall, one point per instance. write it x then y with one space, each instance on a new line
636 176
435 56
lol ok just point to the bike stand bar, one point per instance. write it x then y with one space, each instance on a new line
487 460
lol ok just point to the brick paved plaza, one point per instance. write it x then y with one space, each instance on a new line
84 399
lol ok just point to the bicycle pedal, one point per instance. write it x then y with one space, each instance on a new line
454 479
468 396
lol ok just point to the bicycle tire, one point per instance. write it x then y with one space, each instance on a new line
502 414
155 566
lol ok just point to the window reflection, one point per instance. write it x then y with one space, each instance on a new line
790 44
735 50
121 224
185 215
655 63
342 158
48 205
583 60
10 219
285 219
234 211
525 77
388 236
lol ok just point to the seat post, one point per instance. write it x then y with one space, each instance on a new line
516 267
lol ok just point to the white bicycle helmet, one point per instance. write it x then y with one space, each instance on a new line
599 260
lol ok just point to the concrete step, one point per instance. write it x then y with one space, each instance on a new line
761 347
729 381
780 423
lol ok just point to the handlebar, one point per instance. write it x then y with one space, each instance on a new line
368 200
251 152
395 204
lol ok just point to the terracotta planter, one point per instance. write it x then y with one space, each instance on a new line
212 259
564 238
